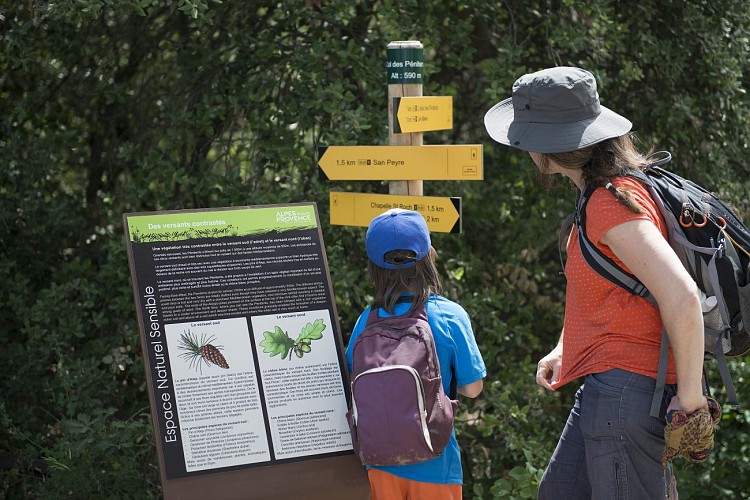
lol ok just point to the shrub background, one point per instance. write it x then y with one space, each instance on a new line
114 106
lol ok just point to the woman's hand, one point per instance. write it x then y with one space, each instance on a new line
687 405
548 368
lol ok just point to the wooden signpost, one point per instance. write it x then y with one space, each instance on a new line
405 66
405 162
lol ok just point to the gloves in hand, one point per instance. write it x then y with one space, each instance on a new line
690 435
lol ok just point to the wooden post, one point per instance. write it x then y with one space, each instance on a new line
405 69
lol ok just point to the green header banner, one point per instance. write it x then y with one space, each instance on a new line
183 225
405 65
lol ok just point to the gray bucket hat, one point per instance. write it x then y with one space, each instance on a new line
554 111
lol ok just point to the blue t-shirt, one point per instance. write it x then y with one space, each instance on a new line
456 348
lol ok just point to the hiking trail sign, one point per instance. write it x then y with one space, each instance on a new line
453 162
405 162
422 114
442 215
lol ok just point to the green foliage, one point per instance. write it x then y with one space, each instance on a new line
118 106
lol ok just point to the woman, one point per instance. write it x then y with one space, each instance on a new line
401 266
610 446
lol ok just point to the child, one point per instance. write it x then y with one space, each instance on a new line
402 264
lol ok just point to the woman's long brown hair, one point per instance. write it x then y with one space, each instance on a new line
602 161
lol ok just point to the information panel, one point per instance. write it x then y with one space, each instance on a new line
240 337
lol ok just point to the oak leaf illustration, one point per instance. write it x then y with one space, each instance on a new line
311 331
277 342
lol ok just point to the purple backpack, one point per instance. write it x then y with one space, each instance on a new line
400 413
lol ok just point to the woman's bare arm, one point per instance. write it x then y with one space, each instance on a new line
643 249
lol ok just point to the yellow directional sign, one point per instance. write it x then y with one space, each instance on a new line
422 114
443 215
401 163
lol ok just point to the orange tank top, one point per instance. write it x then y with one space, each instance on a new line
605 326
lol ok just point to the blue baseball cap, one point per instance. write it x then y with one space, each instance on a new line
397 229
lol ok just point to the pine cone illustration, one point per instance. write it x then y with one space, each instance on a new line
199 352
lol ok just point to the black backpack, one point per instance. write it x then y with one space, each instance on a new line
713 245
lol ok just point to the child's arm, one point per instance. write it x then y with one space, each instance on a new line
471 390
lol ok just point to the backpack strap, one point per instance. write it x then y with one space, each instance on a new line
594 257
562 238
659 158
721 361
661 375
453 388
